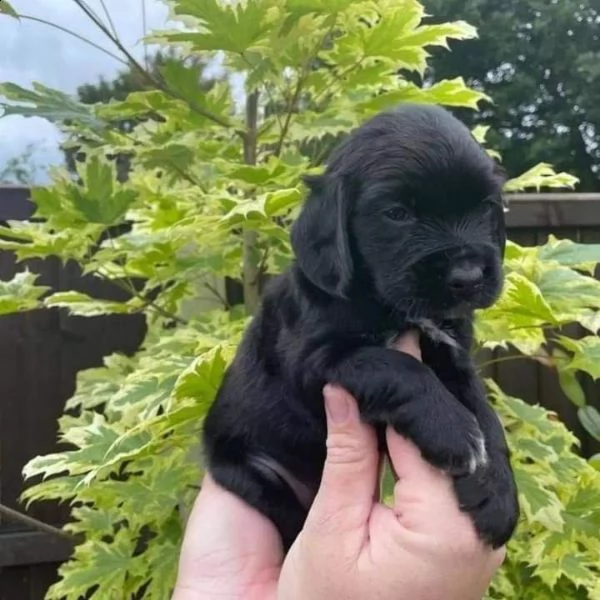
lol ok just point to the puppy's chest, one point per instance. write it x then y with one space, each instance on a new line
436 334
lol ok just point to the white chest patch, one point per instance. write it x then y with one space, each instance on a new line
433 332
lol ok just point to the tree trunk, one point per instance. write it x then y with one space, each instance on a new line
251 257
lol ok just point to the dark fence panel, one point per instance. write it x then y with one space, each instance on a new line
42 351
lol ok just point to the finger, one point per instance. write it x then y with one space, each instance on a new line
227 545
424 498
411 469
343 504
409 343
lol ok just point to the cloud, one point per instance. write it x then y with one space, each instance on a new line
32 51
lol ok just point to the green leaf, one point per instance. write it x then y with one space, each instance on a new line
106 568
480 133
570 385
7 9
590 419
143 104
160 561
310 125
202 378
571 254
568 292
100 200
44 102
21 293
513 408
451 92
183 80
517 317
577 570
280 202
539 177
317 6
175 156
247 209
259 174
235 27
438 35
33 240
585 354
388 482
541 504
82 305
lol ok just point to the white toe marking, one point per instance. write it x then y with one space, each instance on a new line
480 456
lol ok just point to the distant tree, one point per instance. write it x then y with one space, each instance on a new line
540 62
126 82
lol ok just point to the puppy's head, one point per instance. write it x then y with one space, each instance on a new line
410 209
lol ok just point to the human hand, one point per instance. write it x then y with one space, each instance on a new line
230 551
352 547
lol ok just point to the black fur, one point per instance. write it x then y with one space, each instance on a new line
405 228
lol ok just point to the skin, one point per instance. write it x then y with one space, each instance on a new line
352 546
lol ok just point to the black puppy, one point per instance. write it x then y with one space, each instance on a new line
405 229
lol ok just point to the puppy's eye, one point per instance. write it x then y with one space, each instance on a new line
397 214
492 202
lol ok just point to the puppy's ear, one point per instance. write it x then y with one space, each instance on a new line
320 238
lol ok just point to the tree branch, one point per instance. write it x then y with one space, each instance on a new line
298 90
15 515
250 237
130 288
147 303
215 292
151 80
74 34
109 18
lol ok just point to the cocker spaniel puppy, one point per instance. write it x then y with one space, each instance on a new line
405 229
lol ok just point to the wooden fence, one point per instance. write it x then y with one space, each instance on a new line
41 352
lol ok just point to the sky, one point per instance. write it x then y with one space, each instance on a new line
31 51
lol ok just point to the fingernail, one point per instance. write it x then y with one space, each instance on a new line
336 405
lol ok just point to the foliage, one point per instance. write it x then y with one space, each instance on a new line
555 551
129 80
214 182
21 293
554 554
538 60
7 9
548 288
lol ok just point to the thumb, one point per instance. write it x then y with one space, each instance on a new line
350 477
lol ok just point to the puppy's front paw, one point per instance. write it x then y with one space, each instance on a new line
479 456
490 496
449 438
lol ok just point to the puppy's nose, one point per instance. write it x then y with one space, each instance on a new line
465 280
